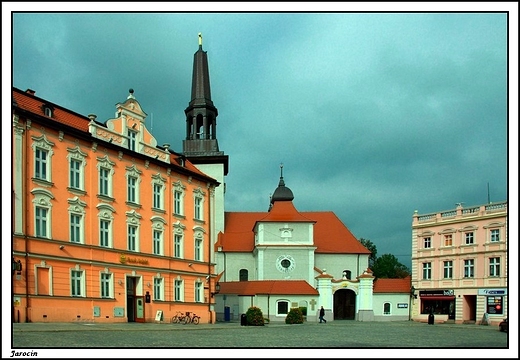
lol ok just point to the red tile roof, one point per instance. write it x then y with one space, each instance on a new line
393 285
267 287
331 236
28 102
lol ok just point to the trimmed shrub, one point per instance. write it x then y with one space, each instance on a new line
304 310
254 316
294 316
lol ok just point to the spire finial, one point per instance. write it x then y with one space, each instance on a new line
281 170
200 39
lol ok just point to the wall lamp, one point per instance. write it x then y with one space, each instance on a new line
62 247
412 292
16 266
120 282
217 290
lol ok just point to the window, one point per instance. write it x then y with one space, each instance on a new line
40 166
282 307
387 309
198 208
106 285
131 189
448 269
158 289
77 283
243 275
427 242
177 201
469 238
76 220
132 238
427 271
42 150
103 181
132 140
178 290
104 230
157 242
105 172
42 223
132 184
347 274
105 224
495 235
47 111
177 246
469 268
75 166
494 266
157 198
42 213
448 240
178 198
198 291
75 228
198 249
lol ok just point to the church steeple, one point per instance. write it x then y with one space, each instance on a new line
201 114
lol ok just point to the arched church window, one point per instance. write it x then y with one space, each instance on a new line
243 275
347 274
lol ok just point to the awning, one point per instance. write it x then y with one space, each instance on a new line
440 297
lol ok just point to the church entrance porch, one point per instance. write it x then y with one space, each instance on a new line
344 304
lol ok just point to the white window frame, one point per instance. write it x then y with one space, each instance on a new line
106 284
469 238
427 271
158 224
77 156
133 222
42 200
469 268
158 186
179 192
77 209
158 288
178 234
77 282
178 286
427 242
288 307
104 164
494 235
198 291
445 238
40 143
494 266
198 204
105 213
198 243
133 188
389 311
132 140
447 269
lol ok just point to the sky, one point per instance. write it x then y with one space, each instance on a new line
373 115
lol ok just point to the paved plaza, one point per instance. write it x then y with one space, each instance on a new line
339 337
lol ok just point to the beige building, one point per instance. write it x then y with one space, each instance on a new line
459 265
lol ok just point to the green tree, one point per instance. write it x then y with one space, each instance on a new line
372 248
388 267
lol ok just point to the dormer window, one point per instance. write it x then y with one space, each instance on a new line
47 110
132 136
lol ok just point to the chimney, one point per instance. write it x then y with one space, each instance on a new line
30 91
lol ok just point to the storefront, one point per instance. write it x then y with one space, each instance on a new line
438 302
495 301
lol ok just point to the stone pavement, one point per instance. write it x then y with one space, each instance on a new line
155 339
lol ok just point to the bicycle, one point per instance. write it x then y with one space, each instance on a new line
178 318
193 318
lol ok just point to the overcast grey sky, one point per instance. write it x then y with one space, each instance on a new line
374 115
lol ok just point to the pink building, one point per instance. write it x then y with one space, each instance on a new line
459 265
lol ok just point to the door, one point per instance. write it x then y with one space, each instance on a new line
139 309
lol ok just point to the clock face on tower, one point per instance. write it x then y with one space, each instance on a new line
285 263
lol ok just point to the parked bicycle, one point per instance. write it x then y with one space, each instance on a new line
178 318
191 318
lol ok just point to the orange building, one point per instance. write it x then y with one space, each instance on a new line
107 226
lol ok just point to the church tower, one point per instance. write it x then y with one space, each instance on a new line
201 145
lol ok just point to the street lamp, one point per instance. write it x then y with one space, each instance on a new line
412 292
217 290
16 266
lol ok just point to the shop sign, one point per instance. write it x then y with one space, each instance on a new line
492 292
426 293
402 306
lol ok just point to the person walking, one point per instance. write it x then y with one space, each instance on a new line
322 315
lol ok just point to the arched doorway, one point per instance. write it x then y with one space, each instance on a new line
344 304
